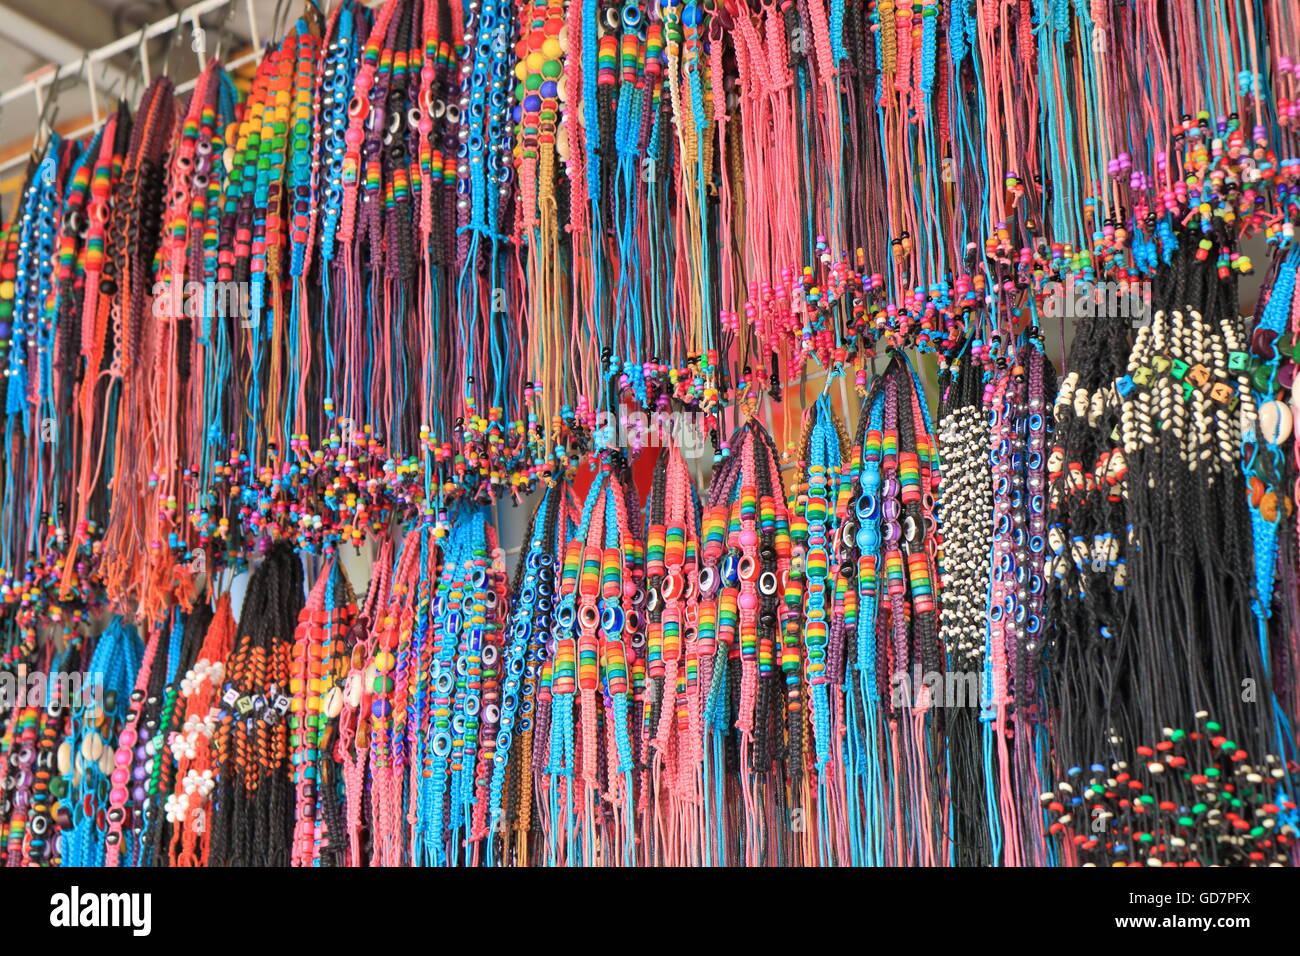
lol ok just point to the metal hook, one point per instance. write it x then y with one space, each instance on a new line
50 108
49 112
276 24
49 102
45 124
53 89
199 41
67 82
172 44
130 74
114 82
222 28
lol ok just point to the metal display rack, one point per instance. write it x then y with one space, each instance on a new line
45 87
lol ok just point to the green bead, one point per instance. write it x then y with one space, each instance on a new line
1263 381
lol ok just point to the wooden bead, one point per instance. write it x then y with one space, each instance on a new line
65 758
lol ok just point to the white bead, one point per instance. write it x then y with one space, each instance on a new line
333 704
92 746
1275 422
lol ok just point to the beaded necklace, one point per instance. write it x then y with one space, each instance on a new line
598 615
48 767
1262 457
390 639
745 560
27 366
530 609
1217 812
193 744
252 824
667 666
819 503
539 666
93 723
1013 398
965 519
135 233
162 719
123 799
316 699
23 730
897 637
502 261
